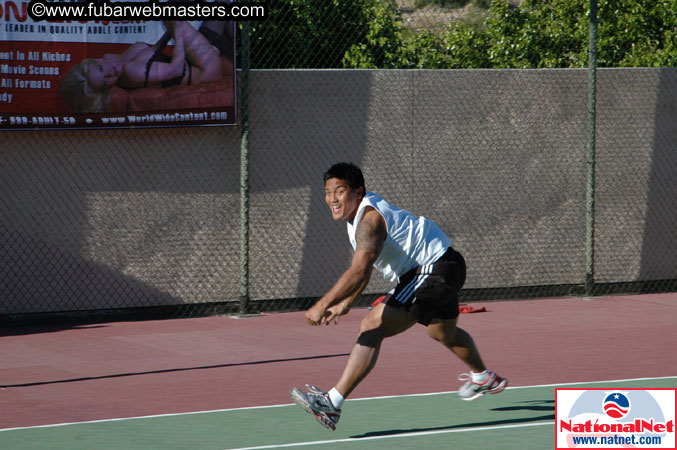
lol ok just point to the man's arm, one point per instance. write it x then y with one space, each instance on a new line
343 307
370 234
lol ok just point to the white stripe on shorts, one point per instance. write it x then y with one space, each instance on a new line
405 293
414 284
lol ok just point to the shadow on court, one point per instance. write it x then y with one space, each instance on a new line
164 371
531 405
512 421
26 330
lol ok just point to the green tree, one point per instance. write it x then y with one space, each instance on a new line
637 33
382 45
537 34
318 33
554 34
462 46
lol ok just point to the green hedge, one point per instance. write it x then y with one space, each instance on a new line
538 34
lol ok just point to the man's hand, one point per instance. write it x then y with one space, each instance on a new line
316 315
335 312
370 235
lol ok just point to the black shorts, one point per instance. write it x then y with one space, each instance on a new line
431 291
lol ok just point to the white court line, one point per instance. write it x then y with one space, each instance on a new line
412 434
246 408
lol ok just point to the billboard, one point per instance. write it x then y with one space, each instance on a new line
102 68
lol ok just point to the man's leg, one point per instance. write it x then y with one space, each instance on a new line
480 380
458 341
381 322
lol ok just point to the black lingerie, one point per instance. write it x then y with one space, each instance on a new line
223 43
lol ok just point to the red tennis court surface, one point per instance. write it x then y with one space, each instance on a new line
127 369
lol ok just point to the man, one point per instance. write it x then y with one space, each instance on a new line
410 250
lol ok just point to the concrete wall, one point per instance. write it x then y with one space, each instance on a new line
127 218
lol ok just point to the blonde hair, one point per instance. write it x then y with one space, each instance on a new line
75 89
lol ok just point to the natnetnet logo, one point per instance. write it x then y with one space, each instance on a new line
615 418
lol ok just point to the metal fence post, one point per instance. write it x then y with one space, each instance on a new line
244 170
590 201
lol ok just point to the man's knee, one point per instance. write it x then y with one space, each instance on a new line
369 322
444 331
370 338
371 330
382 322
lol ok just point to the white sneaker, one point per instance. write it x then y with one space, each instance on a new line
317 402
471 390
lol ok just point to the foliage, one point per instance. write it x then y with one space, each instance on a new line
324 33
311 33
554 34
537 34
638 33
450 3
460 47
382 44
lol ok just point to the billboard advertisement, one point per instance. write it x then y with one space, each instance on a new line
96 65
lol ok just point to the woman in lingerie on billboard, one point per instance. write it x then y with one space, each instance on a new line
196 59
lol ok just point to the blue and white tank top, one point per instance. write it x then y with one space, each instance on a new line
412 241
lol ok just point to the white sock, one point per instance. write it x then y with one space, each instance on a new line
479 377
336 398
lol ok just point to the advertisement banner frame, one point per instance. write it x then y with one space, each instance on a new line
48 71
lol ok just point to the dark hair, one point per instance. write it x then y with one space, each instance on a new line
349 172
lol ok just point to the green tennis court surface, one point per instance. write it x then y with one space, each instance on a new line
522 417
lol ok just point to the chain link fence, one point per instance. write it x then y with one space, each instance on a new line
109 220
150 222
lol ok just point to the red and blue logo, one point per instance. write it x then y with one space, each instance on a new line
616 405
615 418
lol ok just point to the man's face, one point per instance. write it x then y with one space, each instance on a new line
342 200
